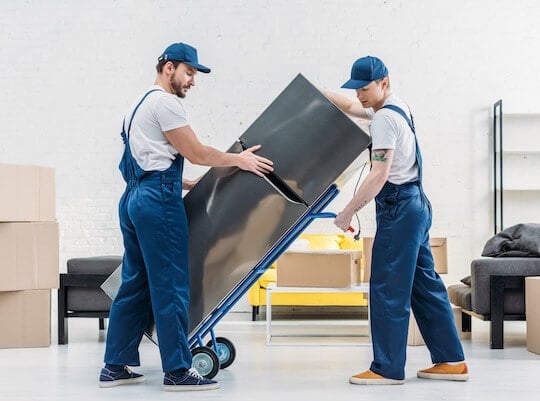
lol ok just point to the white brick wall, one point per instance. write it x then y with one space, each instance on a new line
69 69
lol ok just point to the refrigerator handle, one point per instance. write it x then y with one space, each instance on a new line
279 185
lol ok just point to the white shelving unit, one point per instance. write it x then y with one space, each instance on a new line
516 167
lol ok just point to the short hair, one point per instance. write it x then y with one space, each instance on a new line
161 64
380 79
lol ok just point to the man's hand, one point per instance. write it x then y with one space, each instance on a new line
186 143
343 220
249 161
189 184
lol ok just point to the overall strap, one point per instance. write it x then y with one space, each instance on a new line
410 123
125 135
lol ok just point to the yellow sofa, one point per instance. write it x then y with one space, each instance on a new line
257 294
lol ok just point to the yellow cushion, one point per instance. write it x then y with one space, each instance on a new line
257 297
322 241
319 299
349 243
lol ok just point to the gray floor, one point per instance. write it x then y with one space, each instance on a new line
260 372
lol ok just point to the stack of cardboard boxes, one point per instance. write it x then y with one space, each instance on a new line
29 255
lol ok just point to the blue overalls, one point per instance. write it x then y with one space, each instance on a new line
403 277
155 267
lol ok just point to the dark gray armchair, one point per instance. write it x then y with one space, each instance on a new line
495 292
80 293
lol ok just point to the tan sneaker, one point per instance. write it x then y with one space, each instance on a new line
446 371
369 377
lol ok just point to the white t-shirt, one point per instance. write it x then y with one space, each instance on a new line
160 111
389 130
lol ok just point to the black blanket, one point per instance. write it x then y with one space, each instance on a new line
521 240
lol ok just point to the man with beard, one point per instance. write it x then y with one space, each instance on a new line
155 269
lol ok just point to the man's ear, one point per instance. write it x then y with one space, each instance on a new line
169 67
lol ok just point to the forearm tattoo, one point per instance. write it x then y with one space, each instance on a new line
362 204
379 155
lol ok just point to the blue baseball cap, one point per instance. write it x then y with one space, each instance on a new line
184 53
364 71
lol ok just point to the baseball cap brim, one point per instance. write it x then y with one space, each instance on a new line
355 84
198 67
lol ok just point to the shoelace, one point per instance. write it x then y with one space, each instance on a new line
193 373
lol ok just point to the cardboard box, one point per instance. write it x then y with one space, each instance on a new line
415 338
319 268
532 312
440 254
26 319
29 256
438 249
367 246
28 193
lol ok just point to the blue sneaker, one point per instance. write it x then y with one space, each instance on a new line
111 378
189 381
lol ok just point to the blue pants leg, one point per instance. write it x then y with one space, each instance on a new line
402 270
155 268
130 310
432 310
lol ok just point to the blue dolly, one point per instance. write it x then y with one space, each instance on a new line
219 352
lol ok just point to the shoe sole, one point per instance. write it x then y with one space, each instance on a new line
460 377
120 382
185 387
354 380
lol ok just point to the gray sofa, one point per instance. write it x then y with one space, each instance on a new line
494 292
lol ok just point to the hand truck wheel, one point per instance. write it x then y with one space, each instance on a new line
205 361
225 351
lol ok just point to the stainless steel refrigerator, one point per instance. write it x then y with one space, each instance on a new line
236 218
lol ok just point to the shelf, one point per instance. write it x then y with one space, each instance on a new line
521 171
521 115
516 152
520 130
520 207
521 189
516 166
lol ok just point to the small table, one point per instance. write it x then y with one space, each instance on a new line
272 289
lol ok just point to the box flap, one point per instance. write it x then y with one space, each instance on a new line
437 242
355 253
